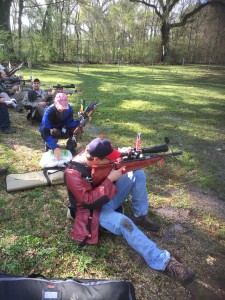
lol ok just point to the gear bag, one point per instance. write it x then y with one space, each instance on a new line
23 181
23 288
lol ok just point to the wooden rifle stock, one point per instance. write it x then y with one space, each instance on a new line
100 172
84 118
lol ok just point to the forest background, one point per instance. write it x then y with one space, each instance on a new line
109 31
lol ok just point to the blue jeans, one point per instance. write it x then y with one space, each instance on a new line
133 183
4 116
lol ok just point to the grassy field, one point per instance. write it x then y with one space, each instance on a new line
186 194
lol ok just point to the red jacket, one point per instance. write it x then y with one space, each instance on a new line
83 191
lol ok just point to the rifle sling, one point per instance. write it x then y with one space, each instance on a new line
83 243
45 172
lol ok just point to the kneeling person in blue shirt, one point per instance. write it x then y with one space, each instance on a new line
58 123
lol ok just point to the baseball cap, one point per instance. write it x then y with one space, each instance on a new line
61 101
101 147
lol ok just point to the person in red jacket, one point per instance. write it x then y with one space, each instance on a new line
98 205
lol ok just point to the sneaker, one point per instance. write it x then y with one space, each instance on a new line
70 214
46 147
8 131
12 103
73 151
179 271
146 223
71 145
120 209
3 171
70 211
29 116
19 109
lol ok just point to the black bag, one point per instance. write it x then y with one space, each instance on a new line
23 288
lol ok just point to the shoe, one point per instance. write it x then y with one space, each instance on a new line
179 271
70 214
71 145
29 116
120 209
145 222
3 171
70 211
19 109
8 131
46 147
73 151
12 103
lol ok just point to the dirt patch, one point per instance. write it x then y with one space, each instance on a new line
190 241
208 203
173 213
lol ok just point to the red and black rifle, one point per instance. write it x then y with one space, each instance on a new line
84 116
59 88
11 72
133 159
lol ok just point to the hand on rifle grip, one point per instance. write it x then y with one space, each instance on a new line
116 174
77 133
79 130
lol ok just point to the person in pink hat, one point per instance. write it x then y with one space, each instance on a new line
58 123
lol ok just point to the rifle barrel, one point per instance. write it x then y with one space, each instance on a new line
167 154
135 156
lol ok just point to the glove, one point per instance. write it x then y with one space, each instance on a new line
77 129
55 132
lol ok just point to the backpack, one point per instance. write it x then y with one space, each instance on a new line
85 173
72 205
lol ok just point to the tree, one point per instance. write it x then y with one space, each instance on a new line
21 6
5 6
172 14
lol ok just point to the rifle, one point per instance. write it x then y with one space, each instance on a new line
13 70
61 89
16 80
84 116
133 160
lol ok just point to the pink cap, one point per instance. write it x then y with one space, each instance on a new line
61 101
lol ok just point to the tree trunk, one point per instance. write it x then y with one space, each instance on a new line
5 6
165 38
20 24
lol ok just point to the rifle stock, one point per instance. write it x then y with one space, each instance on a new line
100 172
13 71
84 118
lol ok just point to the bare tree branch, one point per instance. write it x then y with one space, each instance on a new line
45 4
149 5
187 16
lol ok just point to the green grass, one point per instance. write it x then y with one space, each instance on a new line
184 103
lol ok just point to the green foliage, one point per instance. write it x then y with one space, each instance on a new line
5 55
